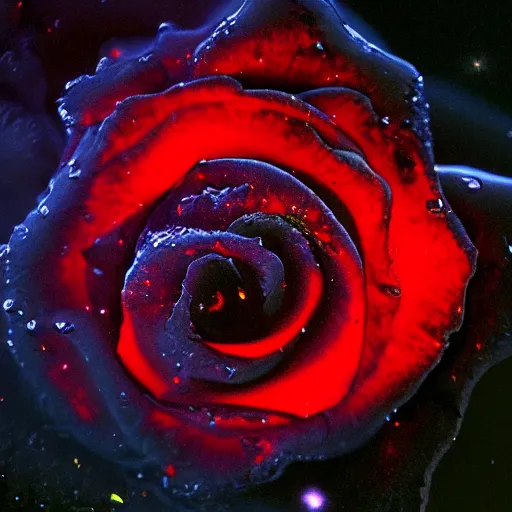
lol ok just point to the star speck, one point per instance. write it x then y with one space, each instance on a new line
476 65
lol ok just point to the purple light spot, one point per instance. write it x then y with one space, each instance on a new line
313 499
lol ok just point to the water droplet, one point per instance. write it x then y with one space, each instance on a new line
69 85
4 250
508 243
65 116
10 343
394 291
98 271
231 372
43 210
145 58
64 327
472 182
74 171
123 398
21 230
384 121
105 62
436 206
31 325
414 99
319 46
9 305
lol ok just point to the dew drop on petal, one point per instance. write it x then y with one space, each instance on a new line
123 398
21 230
64 327
472 183
394 291
436 206
69 85
74 172
43 210
164 27
31 325
145 58
67 119
508 243
8 305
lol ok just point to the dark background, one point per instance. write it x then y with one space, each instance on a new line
471 120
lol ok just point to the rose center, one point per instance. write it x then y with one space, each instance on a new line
228 303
